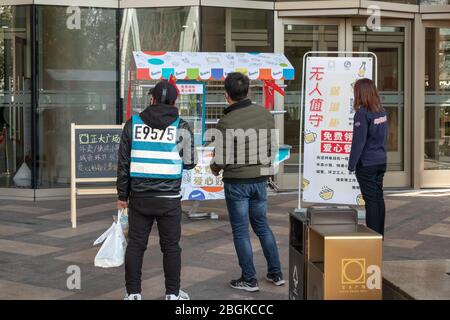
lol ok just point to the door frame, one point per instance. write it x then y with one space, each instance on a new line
290 180
397 179
429 178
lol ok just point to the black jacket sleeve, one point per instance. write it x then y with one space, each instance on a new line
186 146
123 165
360 129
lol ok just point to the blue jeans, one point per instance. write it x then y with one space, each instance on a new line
249 202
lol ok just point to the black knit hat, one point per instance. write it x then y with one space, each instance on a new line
164 92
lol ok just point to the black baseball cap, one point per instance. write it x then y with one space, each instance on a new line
164 92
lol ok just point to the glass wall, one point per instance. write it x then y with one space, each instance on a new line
437 99
237 30
77 81
15 96
154 29
299 39
234 30
388 44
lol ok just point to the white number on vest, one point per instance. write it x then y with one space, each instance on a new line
143 132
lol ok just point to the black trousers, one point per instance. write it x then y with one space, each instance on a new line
370 181
142 214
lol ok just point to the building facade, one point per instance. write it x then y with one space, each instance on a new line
67 61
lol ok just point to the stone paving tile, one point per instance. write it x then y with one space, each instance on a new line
82 212
282 231
394 204
6 230
289 204
24 209
230 250
401 243
82 256
196 227
407 217
12 291
24 248
152 287
81 229
423 280
437 230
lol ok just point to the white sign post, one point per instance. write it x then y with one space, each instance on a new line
328 118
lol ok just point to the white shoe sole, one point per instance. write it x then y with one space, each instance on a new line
277 283
248 289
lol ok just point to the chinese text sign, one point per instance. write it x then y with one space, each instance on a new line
329 128
200 183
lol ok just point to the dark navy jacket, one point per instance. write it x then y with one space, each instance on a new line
369 139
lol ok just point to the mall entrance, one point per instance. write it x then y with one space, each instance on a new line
391 44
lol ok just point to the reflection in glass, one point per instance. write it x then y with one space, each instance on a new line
388 46
299 39
437 98
77 81
154 29
15 96
234 30
237 30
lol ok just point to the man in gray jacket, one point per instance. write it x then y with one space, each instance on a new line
245 168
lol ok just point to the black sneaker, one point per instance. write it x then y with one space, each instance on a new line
242 284
275 278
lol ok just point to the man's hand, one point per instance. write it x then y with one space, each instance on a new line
122 204
215 172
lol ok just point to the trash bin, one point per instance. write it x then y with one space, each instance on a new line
332 215
300 224
297 256
344 263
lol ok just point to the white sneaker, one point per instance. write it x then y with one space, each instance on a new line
181 296
135 296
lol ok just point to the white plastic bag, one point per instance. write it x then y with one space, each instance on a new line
112 251
123 221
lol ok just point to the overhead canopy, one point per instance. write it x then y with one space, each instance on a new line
205 66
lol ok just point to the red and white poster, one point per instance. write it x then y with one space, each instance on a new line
329 128
200 184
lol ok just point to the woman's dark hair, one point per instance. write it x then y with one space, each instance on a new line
236 86
366 95
164 92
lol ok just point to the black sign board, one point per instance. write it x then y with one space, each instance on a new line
96 152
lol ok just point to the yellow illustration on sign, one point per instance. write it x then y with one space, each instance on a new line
310 137
326 193
335 91
360 200
334 106
334 123
305 183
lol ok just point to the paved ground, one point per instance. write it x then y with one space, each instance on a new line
37 245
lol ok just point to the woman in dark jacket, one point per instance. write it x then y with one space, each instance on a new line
368 154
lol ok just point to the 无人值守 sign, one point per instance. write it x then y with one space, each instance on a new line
328 105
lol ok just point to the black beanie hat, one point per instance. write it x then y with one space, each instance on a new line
164 92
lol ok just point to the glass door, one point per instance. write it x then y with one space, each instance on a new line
15 96
391 46
297 38
437 106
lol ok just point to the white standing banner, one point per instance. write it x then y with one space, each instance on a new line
328 104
